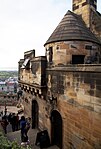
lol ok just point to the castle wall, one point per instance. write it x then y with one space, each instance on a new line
78 101
43 116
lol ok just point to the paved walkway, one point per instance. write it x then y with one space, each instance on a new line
16 135
31 134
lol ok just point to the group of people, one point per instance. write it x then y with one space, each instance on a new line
13 119
17 123
4 123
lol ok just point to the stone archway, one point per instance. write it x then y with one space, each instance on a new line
56 129
35 114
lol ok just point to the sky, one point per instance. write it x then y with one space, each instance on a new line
27 25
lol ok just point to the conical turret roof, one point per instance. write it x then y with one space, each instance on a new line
72 27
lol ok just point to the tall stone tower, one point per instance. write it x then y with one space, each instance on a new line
83 8
87 9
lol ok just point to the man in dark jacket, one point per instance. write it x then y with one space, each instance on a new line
22 126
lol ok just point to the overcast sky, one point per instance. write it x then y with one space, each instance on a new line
26 25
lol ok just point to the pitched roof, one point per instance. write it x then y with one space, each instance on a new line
72 27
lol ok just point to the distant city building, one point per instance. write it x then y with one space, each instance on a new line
3 86
10 85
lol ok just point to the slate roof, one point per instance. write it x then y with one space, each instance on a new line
72 27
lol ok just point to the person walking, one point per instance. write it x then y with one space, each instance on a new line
27 128
13 122
22 127
9 117
17 122
4 124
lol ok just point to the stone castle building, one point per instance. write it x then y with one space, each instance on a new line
62 90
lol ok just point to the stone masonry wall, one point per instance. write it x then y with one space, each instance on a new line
89 14
95 25
78 101
66 49
43 117
80 107
81 7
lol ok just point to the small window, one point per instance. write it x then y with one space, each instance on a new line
58 47
50 54
75 7
73 46
88 47
85 3
78 59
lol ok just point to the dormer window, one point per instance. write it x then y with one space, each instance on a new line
26 64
